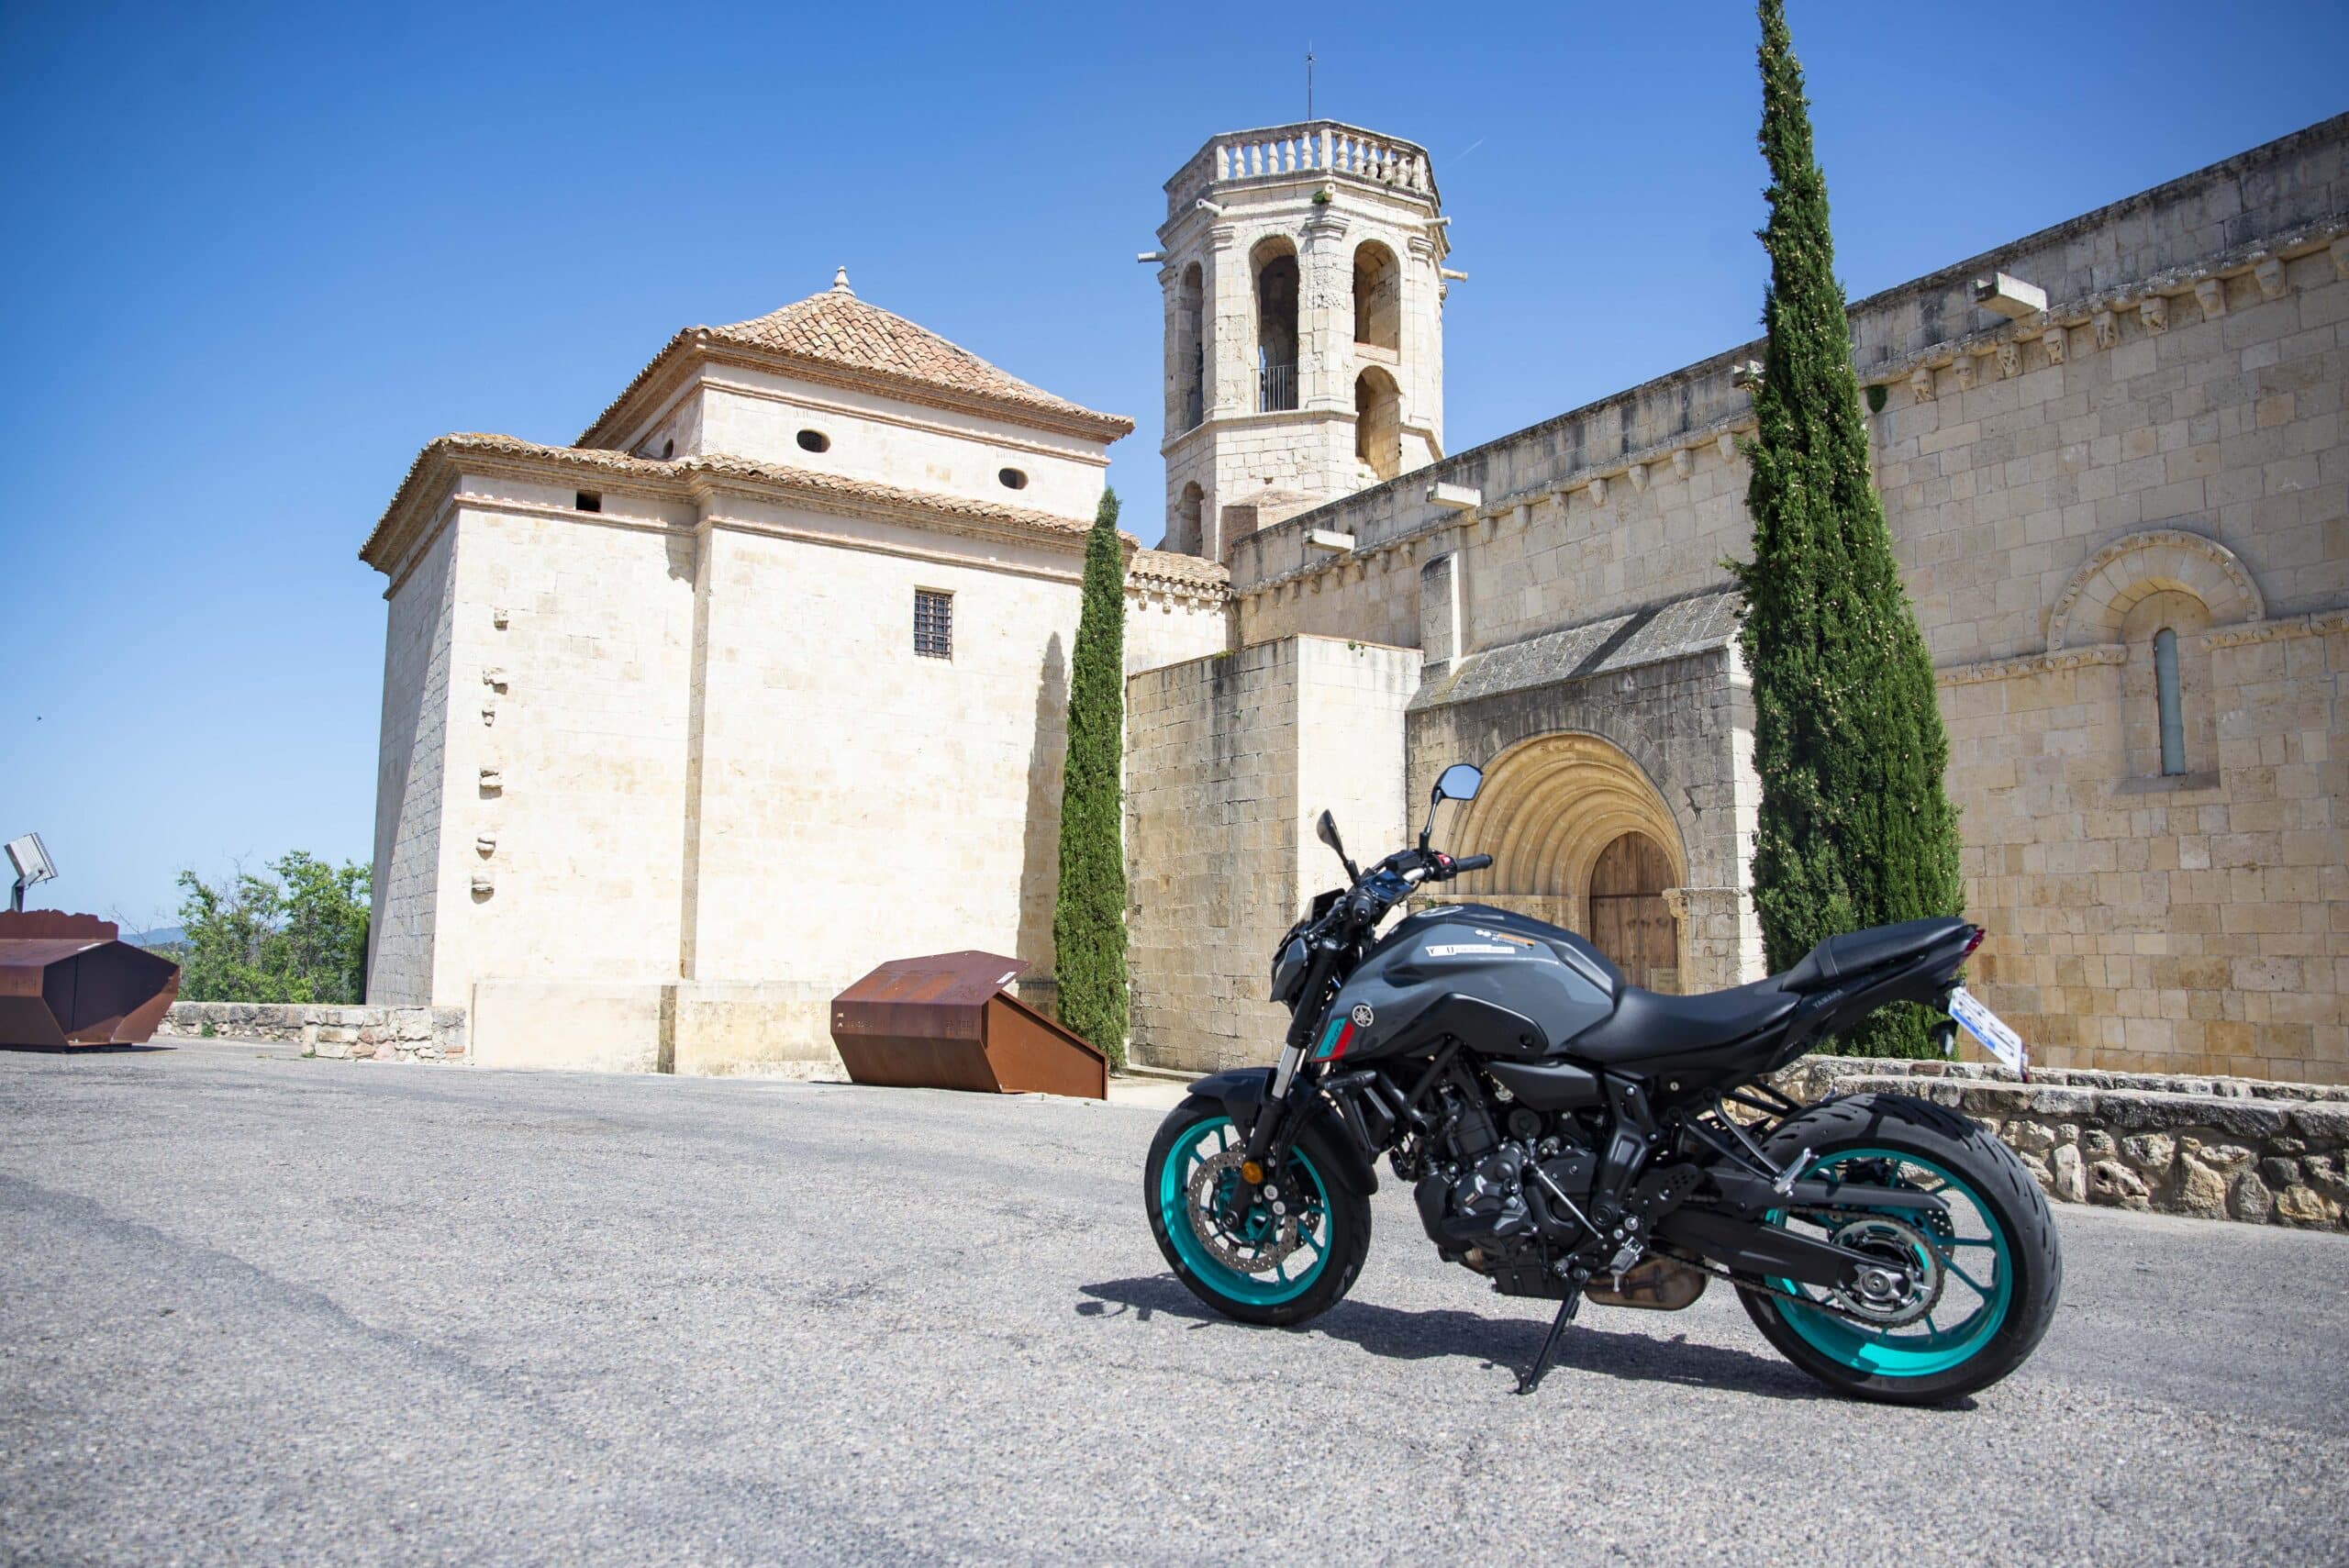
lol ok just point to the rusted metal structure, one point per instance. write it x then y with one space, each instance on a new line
66 981
946 1022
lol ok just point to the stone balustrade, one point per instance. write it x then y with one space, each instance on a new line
1343 151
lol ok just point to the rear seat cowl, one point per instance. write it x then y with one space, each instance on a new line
1839 958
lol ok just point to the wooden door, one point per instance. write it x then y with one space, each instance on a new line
1629 921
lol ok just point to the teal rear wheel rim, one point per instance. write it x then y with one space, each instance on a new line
1203 1140
1975 1257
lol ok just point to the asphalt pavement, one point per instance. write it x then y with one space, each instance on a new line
255 1309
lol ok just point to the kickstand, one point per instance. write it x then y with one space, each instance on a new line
1531 1379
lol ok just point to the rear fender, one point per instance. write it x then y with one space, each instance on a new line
1242 1091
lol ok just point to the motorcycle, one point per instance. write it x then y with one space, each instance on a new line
1573 1138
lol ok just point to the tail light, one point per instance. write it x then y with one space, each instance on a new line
1973 941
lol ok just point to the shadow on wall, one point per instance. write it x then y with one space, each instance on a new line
1040 860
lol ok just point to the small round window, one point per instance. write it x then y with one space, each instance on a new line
1013 479
814 441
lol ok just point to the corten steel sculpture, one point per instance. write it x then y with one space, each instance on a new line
945 1022
66 981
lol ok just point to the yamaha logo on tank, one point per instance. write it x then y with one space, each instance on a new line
1362 1015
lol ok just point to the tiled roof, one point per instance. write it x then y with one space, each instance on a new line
836 330
449 451
1175 570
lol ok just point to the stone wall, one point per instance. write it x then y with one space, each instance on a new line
2220 1148
856 801
759 414
1670 700
411 776
1171 621
676 728
1229 759
2162 449
570 648
359 1034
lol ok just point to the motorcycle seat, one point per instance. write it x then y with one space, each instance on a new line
1651 1024
1856 953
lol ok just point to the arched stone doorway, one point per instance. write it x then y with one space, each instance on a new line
1570 819
1629 920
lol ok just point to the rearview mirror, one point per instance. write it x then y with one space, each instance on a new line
1327 831
1460 782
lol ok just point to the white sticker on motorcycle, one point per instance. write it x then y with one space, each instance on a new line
1473 950
1983 1025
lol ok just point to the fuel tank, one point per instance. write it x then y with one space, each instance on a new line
1509 984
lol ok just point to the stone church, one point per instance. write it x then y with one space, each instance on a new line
762 680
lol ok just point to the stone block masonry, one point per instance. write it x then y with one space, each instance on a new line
356 1034
2248 1150
2125 523
1228 760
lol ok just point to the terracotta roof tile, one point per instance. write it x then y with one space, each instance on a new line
1177 570
837 331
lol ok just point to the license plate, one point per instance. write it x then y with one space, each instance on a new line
1983 1025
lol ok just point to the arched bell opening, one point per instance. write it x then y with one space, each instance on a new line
1378 297
1274 262
1378 424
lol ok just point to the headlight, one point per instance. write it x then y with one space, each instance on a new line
1288 970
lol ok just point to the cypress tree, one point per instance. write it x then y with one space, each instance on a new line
1856 830
1089 922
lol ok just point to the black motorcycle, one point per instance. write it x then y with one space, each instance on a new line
1573 1137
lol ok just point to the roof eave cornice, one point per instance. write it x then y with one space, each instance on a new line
436 469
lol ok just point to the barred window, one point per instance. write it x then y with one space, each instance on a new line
933 623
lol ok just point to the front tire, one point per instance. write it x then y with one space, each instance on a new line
1995 1268
1264 1273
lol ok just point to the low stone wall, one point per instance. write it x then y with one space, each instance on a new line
2213 1148
377 1034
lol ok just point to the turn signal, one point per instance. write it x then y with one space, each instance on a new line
1252 1172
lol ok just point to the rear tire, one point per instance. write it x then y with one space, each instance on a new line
2014 1247
1333 1233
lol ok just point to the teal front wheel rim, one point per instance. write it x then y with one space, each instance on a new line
1203 1140
1955 1330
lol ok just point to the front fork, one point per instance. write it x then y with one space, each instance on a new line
1271 1115
1268 1139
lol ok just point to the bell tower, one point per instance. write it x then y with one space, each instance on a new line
1302 270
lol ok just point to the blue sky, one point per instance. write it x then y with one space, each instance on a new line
256 257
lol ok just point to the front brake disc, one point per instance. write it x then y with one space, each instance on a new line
1275 1235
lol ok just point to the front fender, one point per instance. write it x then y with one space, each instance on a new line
1242 1091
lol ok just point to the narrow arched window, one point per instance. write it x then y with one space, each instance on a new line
2166 695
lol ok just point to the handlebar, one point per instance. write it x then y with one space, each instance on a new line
1390 882
1352 915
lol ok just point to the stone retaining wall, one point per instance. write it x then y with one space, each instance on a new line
378 1034
2212 1147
